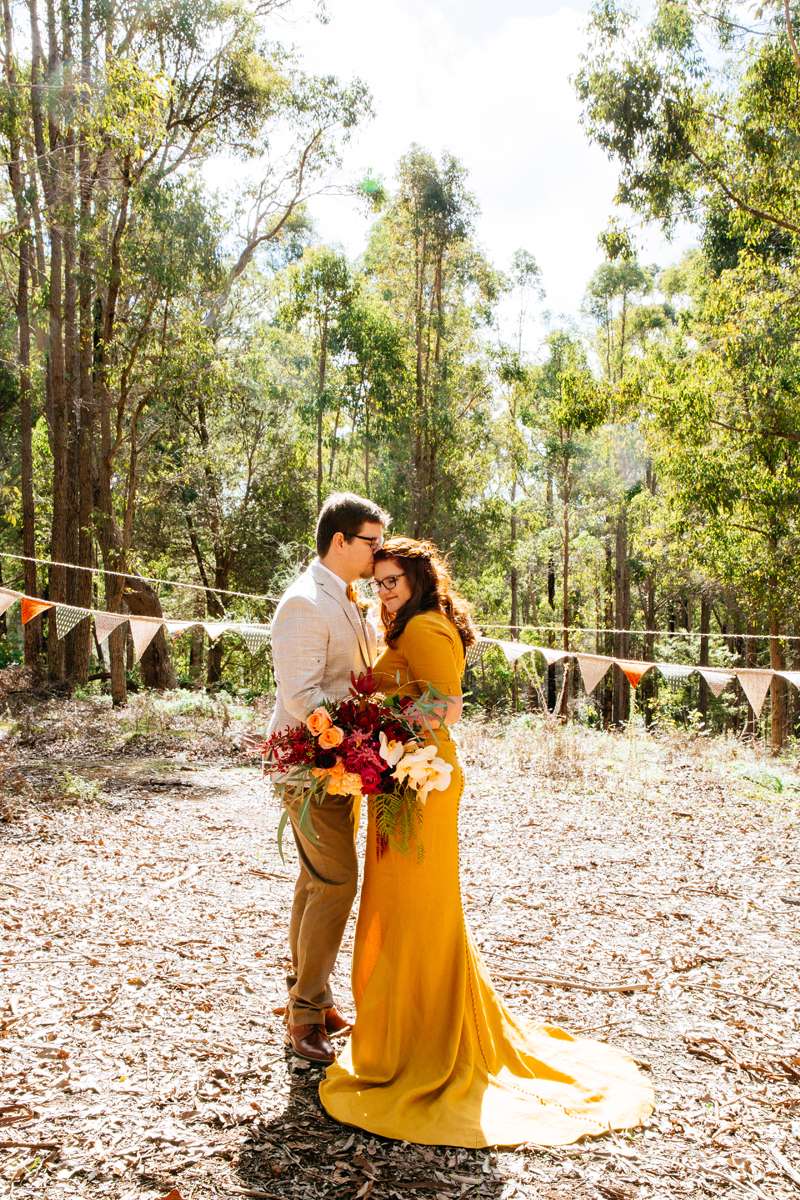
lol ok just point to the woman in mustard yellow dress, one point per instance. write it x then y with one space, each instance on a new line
435 1057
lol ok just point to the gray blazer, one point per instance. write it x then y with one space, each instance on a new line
318 639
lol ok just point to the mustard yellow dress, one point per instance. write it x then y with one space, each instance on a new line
435 1057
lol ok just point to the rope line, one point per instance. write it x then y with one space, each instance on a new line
776 637
193 587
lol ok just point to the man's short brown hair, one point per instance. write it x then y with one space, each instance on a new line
344 512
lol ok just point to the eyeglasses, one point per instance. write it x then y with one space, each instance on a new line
375 542
389 583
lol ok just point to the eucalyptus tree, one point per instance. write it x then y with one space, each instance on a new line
698 108
423 263
725 428
563 404
319 291
109 107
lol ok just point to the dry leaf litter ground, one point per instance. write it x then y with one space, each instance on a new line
639 890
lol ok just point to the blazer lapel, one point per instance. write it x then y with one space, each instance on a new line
349 610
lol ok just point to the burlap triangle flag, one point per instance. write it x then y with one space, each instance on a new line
105 623
755 685
792 676
33 608
675 671
513 651
717 680
143 630
255 637
551 656
215 629
593 668
67 617
633 671
7 598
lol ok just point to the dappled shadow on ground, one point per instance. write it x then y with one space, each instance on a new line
300 1152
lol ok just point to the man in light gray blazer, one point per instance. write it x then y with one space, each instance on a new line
320 637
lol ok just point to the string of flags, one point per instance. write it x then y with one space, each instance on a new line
755 682
142 629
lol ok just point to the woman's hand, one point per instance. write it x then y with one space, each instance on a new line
442 716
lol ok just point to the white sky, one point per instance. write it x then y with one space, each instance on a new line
489 81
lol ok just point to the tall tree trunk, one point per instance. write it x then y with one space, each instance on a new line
566 488
608 621
156 662
366 444
321 381
777 661
419 389
49 154
621 710
111 541
551 590
221 581
32 631
71 342
649 684
704 692
85 401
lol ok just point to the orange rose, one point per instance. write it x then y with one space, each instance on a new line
331 737
318 721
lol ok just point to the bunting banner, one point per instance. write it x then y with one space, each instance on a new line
67 618
7 598
105 623
143 630
593 668
755 685
755 682
33 608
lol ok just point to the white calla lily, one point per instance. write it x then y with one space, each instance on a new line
390 751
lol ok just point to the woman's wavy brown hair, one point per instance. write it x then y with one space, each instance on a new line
431 589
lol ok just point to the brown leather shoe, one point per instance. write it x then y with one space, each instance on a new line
336 1023
311 1042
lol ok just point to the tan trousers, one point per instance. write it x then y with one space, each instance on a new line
323 897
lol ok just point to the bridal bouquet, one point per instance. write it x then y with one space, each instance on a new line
366 745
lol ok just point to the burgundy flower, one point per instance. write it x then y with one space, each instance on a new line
370 780
364 685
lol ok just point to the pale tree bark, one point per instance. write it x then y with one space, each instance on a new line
84 408
31 631
704 692
621 709
49 153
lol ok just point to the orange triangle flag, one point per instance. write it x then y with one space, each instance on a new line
32 608
633 670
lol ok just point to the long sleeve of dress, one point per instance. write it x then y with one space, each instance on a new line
432 648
